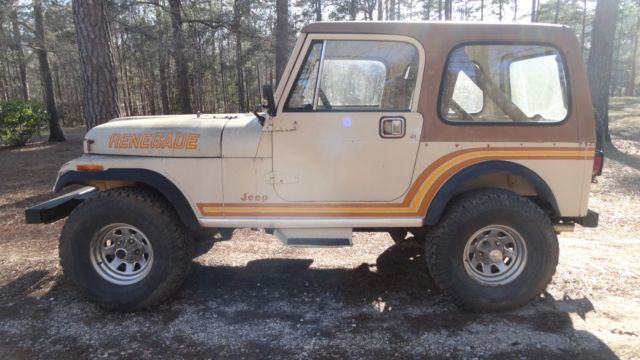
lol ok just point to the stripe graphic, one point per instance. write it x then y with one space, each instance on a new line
418 197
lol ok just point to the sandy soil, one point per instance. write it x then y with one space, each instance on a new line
251 297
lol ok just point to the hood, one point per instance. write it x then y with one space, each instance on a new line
165 136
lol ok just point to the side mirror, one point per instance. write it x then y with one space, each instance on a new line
267 93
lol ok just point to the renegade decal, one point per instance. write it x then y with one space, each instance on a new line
417 200
188 141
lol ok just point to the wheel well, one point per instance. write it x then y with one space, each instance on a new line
112 178
494 174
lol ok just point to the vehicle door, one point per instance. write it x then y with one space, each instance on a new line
347 127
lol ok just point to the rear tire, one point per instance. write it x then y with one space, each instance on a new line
492 251
125 249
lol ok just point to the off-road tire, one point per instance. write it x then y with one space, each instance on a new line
145 210
473 211
398 235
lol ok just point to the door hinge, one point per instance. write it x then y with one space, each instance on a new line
291 127
280 179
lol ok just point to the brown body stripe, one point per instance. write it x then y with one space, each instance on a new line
403 209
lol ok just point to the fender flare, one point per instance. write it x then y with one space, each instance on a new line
149 178
448 190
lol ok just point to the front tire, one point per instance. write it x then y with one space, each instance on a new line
125 249
492 251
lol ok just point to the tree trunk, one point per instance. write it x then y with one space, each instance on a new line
584 24
392 9
557 16
318 4
163 62
380 12
58 94
533 11
448 9
96 62
481 10
237 14
182 68
426 10
164 87
599 64
282 37
386 9
223 81
353 10
55 132
17 47
631 83
614 89
515 10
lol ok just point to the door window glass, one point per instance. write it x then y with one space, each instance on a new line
301 97
356 75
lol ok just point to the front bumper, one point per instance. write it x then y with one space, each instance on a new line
58 208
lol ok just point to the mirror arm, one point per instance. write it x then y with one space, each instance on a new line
261 119
267 93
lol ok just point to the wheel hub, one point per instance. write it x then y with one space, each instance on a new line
495 255
121 254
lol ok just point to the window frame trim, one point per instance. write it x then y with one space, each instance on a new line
307 52
323 37
504 123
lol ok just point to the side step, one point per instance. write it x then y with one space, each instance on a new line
325 237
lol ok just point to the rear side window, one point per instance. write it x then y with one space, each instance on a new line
355 75
504 84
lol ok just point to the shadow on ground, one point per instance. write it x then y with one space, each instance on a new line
286 308
629 160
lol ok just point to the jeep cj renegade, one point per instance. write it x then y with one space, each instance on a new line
478 137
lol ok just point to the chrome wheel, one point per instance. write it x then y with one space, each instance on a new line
495 255
121 254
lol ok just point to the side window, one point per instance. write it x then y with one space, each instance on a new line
356 75
504 83
467 94
538 95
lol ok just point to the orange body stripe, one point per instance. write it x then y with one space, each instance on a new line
413 204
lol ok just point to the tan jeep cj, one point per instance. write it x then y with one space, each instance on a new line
479 138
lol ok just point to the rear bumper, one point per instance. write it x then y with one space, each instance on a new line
590 220
58 208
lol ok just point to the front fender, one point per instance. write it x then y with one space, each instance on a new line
144 177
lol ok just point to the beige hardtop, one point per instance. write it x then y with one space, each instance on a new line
421 27
440 38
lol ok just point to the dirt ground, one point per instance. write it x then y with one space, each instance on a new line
251 297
